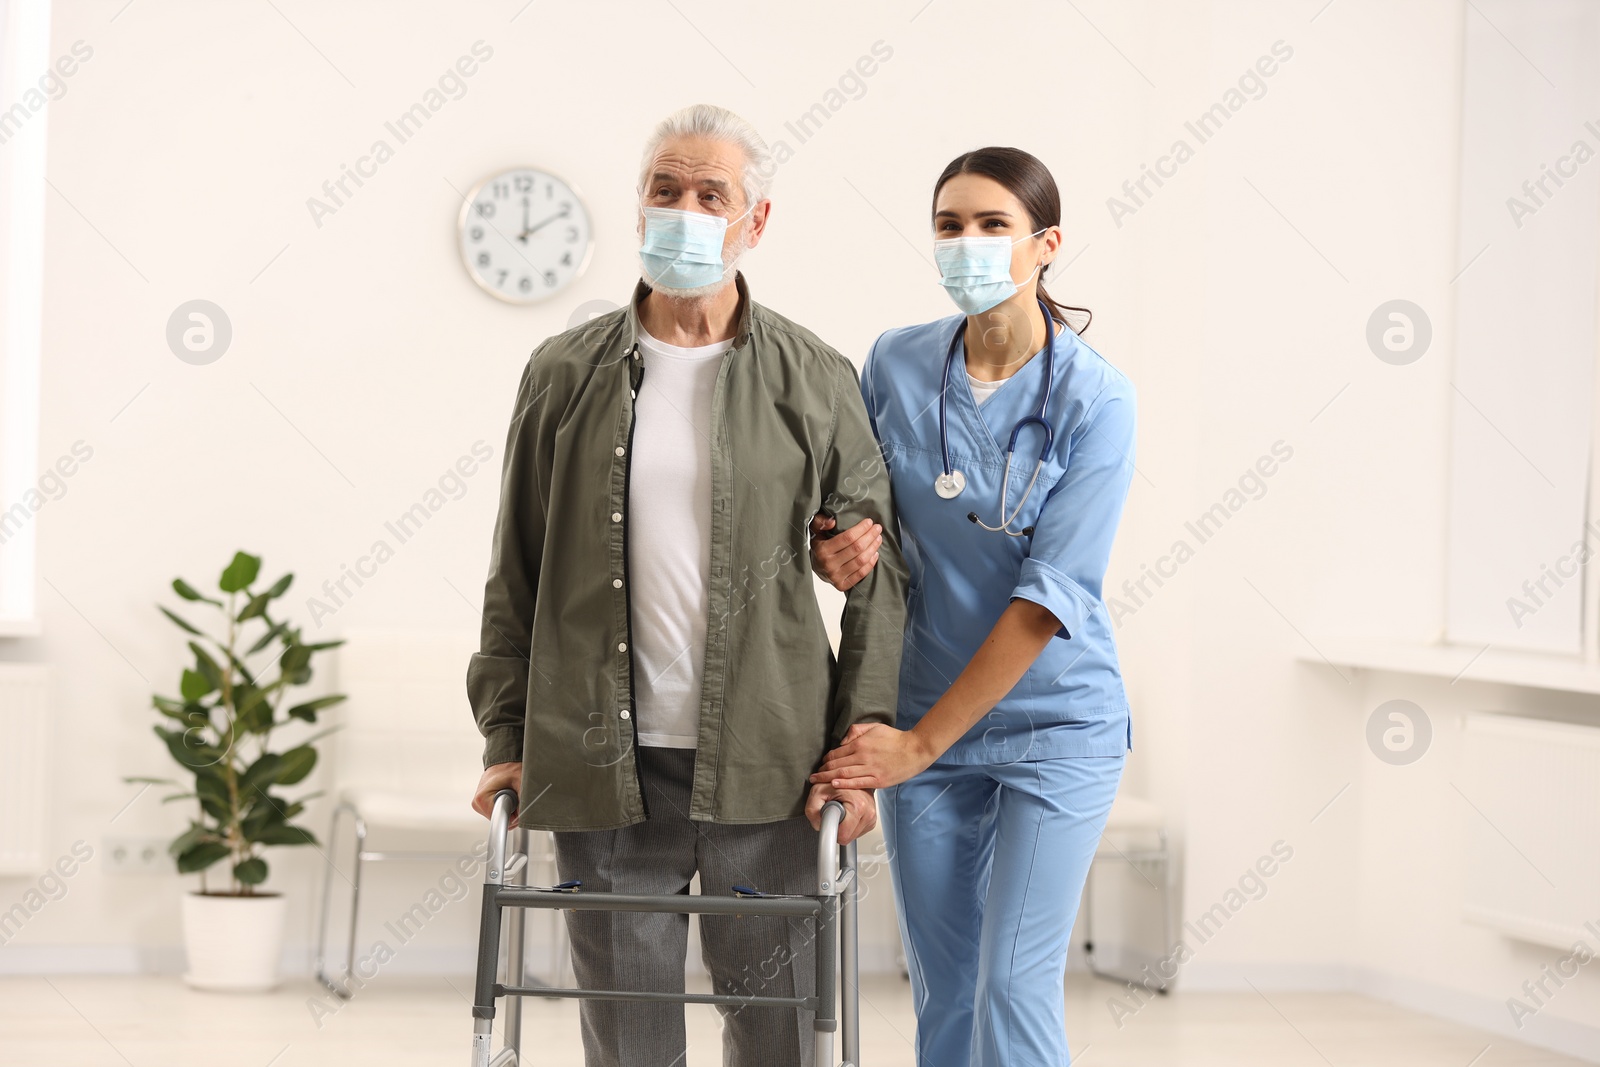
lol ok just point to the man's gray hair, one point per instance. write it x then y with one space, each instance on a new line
717 124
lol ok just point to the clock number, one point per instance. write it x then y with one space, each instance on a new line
482 234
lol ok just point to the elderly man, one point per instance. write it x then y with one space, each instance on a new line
655 677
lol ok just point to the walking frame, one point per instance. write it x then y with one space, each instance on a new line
832 908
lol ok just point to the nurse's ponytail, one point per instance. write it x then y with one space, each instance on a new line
1030 182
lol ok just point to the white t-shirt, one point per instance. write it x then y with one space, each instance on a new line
982 390
669 537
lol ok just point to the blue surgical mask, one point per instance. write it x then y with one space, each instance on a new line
683 249
976 271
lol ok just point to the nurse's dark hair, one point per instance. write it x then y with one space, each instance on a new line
1030 182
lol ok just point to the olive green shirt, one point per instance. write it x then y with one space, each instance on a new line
552 682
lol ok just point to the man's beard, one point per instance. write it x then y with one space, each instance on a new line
730 260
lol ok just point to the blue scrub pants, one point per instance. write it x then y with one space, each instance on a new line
988 864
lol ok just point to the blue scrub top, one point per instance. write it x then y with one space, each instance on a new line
1071 702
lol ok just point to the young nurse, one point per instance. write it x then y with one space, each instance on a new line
1010 444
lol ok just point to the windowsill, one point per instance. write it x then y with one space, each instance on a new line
20 628
1535 670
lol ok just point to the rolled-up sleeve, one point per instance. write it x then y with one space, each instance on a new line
497 676
1071 546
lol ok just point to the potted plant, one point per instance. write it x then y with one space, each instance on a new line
219 729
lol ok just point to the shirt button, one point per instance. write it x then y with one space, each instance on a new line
619 450
622 646
616 516
625 713
616 583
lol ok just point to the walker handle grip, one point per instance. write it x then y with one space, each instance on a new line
505 804
828 849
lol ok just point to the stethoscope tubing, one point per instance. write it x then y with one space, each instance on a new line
1038 417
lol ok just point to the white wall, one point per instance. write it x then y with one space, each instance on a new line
1236 298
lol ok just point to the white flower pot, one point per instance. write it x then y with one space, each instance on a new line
233 943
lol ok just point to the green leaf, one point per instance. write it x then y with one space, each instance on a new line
262 773
320 645
286 835
255 712
257 606
266 638
265 813
308 710
189 749
280 586
296 764
295 659
213 795
151 781
238 665
206 665
179 796
180 622
195 686
188 592
240 573
251 871
201 856
188 839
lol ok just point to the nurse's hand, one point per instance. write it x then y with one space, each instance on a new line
844 559
875 756
860 810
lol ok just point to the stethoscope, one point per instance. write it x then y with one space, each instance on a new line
950 483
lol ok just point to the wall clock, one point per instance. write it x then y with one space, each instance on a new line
524 235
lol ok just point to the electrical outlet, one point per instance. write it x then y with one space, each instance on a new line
137 855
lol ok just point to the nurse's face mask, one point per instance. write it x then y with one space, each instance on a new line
683 249
976 271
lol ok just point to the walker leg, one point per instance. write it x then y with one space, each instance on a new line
489 937
343 991
516 972
827 963
850 994
488 965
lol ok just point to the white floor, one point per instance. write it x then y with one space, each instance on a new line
76 1021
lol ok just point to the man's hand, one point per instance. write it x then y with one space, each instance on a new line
846 558
860 810
495 778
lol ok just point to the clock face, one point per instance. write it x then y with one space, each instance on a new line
524 235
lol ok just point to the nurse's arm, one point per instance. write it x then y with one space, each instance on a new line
875 756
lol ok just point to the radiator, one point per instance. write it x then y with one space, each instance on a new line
1532 827
24 726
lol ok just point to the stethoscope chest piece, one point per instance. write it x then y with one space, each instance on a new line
949 486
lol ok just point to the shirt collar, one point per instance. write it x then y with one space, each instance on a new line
641 290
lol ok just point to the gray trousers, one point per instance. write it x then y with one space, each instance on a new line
746 955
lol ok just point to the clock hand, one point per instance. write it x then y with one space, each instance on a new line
558 215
